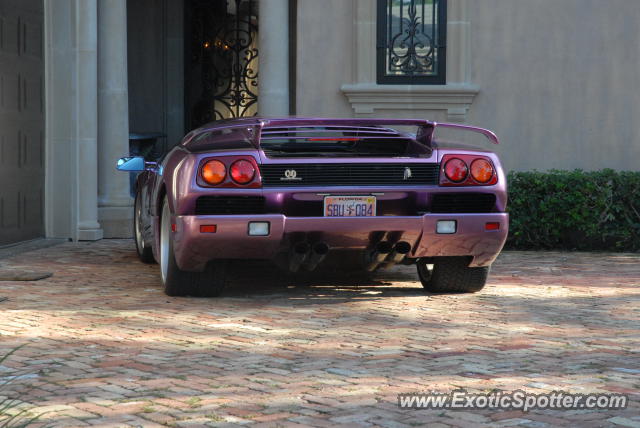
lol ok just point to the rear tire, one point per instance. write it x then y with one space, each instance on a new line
145 253
177 282
452 275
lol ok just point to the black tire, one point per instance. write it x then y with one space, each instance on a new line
145 252
452 275
176 282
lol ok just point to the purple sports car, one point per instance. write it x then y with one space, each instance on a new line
305 192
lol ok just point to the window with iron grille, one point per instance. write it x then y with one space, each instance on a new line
411 41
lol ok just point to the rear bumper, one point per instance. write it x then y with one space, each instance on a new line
194 249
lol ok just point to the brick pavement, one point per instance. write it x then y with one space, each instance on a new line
105 347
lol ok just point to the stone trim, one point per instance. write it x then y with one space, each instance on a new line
366 98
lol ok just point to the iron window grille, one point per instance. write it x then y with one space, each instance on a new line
411 42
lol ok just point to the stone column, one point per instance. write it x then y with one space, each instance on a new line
115 212
273 98
86 123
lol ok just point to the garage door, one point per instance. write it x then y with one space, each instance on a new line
21 120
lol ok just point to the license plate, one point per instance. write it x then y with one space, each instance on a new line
349 206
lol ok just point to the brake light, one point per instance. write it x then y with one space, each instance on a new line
208 228
482 170
242 171
229 172
334 139
456 170
214 172
467 170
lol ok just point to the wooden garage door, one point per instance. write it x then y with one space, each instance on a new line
21 120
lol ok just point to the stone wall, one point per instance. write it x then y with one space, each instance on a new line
555 79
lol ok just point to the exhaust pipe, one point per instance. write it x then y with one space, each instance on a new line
297 256
398 254
319 251
378 255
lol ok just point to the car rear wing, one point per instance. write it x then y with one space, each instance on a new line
493 138
372 128
258 130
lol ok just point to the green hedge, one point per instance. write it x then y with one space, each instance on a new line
574 210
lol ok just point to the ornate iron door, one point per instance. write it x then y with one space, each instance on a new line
222 61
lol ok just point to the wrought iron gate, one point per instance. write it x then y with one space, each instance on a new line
222 61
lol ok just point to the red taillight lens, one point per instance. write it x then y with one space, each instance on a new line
481 170
492 226
456 170
214 172
242 171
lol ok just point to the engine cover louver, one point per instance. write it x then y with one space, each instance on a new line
460 203
352 174
229 205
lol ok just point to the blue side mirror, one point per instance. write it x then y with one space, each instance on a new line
134 164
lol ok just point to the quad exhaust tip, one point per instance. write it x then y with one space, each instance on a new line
297 255
398 254
384 255
319 251
303 255
380 252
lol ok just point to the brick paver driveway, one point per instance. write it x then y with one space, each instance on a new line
104 346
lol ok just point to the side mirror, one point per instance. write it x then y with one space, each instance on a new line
134 164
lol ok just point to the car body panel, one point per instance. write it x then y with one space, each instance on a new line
195 249
175 178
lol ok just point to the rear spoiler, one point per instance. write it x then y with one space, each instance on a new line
424 135
493 138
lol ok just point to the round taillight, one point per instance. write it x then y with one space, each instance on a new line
214 172
482 170
242 171
456 170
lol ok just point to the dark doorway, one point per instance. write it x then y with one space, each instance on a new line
221 60
21 121
156 70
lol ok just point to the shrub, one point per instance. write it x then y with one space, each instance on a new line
574 210
12 412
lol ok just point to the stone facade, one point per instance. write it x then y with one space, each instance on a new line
86 119
554 79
